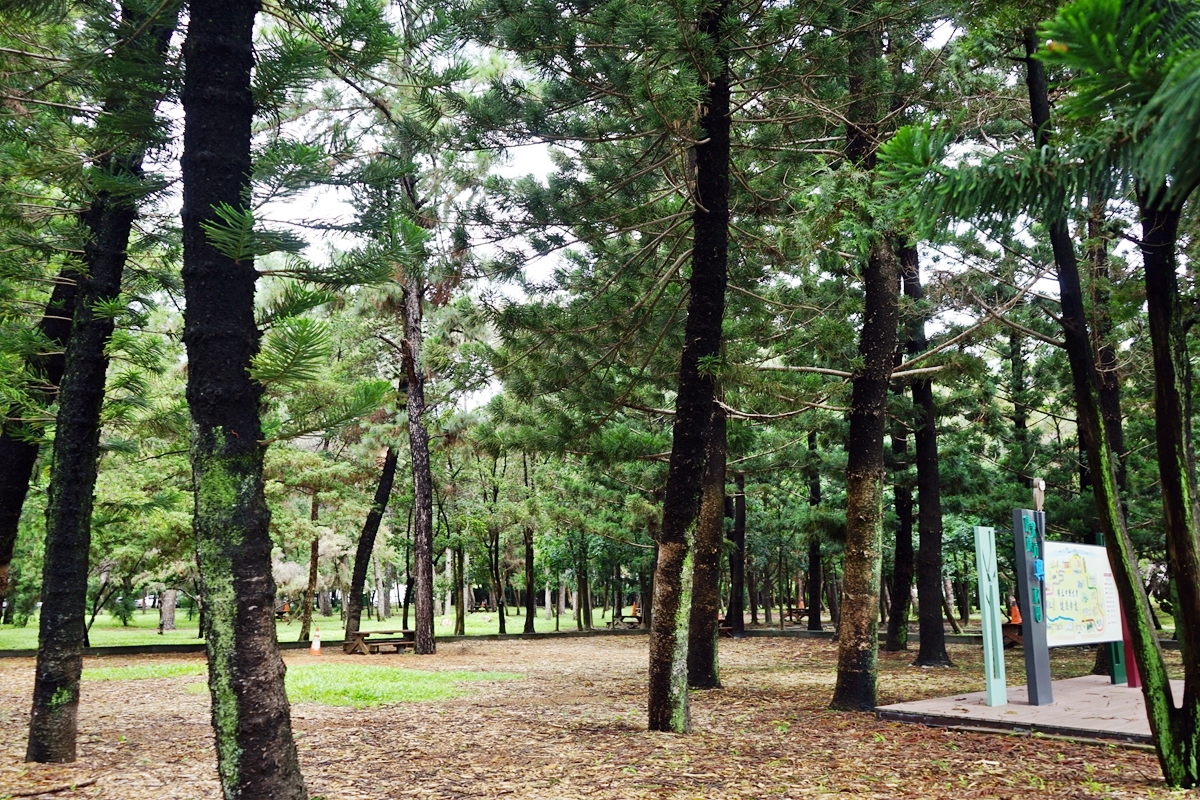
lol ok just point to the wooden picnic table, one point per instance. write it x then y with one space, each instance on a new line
626 620
362 643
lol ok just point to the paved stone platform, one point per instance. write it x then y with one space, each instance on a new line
1089 707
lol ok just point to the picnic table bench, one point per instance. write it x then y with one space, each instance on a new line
363 643
796 614
626 621
1013 635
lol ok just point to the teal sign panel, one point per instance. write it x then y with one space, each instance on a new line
989 610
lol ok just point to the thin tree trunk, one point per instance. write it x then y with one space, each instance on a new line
379 615
902 560
932 651
814 541
310 590
418 445
460 581
366 545
752 594
108 223
325 601
703 665
19 447
166 610
736 614
256 755
1174 730
530 588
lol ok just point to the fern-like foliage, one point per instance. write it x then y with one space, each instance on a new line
234 235
292 301
293 351
364 397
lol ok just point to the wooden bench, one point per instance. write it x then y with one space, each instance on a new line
362 643
626 621
1013 635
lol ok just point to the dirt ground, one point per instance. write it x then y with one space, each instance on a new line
575 726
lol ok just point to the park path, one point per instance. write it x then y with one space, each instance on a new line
575 728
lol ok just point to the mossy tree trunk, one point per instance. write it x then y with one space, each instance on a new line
858 623
366 543
858 617
418 446
815 568
703 625
109 223
668 703
930 583
19 444
256 754
1175 730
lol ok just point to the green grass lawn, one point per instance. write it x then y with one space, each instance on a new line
107 631
357 685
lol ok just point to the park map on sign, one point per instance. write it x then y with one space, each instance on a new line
1081 596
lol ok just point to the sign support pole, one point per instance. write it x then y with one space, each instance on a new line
989 612
1029 535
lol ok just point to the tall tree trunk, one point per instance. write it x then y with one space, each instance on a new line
527 531
1174 730
310 590
703 666
1022 446
379 590
932 652
108 223
814 541
902 560
166 610
418 445
752 594
858 642
256 755
366 546
325 601
19 444
460 581
668 702
736 615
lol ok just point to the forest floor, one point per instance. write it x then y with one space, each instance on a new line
575 726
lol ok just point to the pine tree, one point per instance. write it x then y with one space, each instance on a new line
118 179
256 755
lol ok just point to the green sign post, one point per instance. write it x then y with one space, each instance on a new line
989 611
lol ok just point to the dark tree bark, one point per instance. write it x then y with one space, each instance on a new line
109 223
460 608
858 642
668 703
703 665
310 590
736 616
1020 399
19 443
530 588
256 755
366 545
418 445
1174 729
932 652
902 560
814 542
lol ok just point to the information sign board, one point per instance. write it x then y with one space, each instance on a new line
1081 596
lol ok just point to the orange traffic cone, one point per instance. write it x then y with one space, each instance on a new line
315 647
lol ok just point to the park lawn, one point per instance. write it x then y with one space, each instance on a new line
107 631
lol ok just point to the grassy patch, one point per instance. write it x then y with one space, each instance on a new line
365 685
144 671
